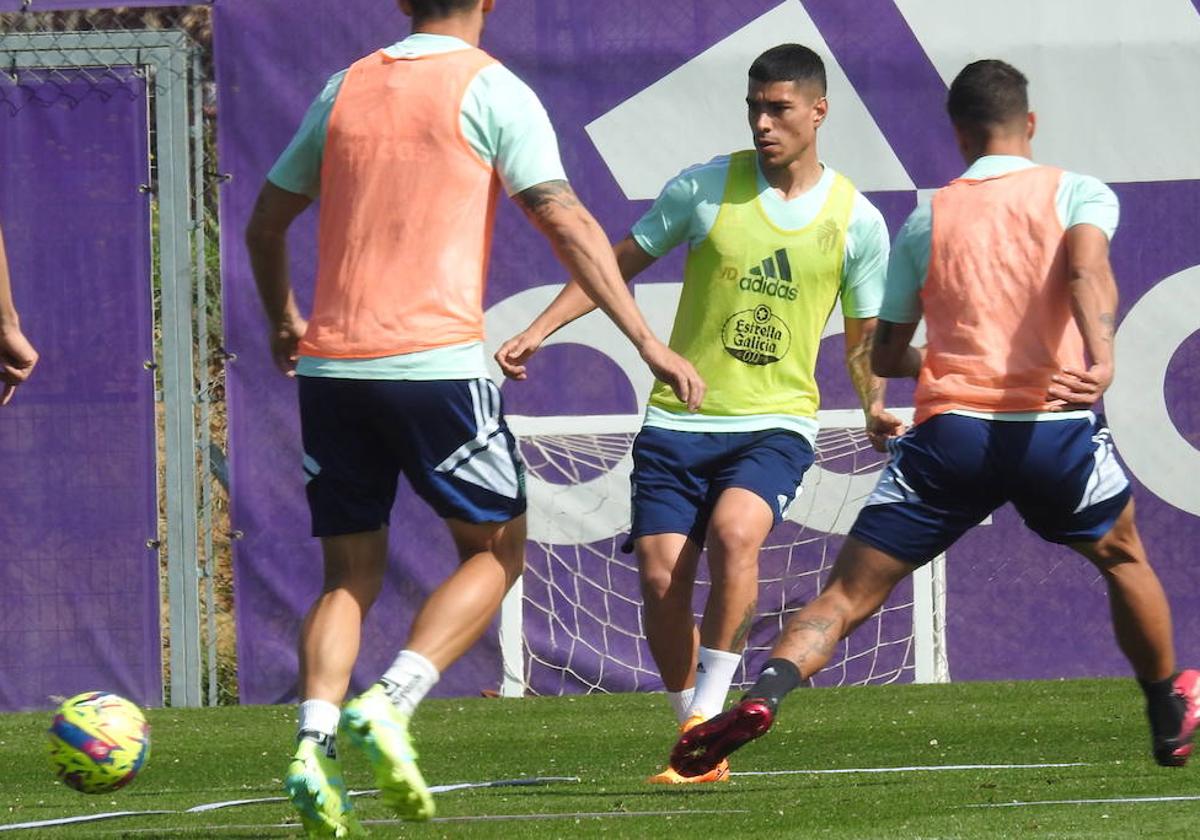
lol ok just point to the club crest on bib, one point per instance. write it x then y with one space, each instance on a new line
756 336
829 236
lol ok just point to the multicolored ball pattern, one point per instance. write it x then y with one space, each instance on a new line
98 742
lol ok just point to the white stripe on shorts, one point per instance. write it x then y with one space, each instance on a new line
1107 479
485 461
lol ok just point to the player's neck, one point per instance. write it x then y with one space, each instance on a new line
1008 146
465 27
797 177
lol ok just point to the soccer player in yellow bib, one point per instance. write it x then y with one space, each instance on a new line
775 238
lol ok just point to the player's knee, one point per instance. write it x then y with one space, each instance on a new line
507 545
1117 550
509 539
355 563
853 598
1121 546
735 542
835 597
660 585
504 540
656 584
513 563
362 583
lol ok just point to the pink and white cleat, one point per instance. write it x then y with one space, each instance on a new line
1173 750
706 745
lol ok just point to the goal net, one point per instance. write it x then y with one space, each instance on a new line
573 624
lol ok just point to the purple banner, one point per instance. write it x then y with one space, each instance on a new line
638 92
79 597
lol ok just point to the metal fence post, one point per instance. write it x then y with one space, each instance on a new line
183 575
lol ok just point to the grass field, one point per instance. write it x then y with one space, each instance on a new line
610 743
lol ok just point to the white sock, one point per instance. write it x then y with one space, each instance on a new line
319 716
409 680
714 675
681 703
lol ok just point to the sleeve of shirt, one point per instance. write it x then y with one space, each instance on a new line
907 266
668 221
866 260
298 169
1089 201
506 124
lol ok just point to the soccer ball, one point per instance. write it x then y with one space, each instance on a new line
98 742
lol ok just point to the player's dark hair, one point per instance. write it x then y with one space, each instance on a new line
789 63
987 94
437 9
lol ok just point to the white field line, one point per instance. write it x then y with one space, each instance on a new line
233 803
532 780
83 819
1120 800
935 768
578 815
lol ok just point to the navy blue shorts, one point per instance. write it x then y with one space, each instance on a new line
677 476
949 473
449 437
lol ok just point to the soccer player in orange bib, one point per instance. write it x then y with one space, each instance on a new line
407 150
1009 265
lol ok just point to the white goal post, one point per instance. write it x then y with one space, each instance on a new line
572 622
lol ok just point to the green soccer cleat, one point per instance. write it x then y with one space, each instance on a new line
379 728
315 787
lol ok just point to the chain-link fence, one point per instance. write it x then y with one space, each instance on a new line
60 59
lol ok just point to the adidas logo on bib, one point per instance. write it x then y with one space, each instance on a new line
771 277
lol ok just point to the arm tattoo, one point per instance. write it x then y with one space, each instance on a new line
867 385
1108 326
743 630
541 200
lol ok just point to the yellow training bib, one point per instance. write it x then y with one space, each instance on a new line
755 301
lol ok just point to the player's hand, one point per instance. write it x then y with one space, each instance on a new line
514 353
285 343
671 368
881 426
1078 389
17 360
